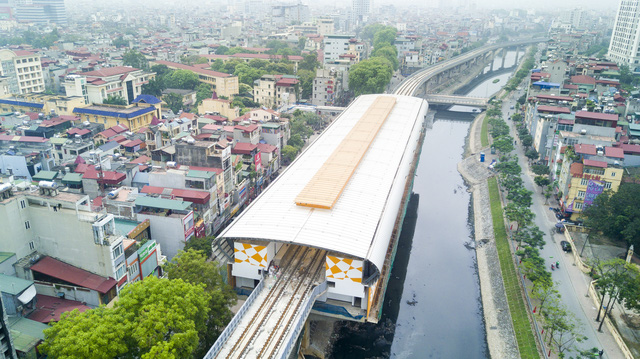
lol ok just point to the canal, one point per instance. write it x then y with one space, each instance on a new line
432 305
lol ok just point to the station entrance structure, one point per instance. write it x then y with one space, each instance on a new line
329 223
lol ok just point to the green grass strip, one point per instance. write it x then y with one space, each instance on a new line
484 133
519 318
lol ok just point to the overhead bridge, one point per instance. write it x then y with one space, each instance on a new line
457 100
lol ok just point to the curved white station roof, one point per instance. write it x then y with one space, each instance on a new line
361 222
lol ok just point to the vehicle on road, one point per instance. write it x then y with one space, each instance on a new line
566 246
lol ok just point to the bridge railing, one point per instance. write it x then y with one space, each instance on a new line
293 339
233 324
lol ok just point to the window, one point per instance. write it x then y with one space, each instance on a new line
613 174
27 225
121 271
23 204
584 182
117 251
581 194
133 269
577 205
32 246
331 284
607 185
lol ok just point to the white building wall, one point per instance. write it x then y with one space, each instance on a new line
345 278
168 231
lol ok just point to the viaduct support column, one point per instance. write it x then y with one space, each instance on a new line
504 57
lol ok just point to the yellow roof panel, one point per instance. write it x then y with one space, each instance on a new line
326 186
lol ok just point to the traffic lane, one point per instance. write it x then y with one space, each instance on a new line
568 289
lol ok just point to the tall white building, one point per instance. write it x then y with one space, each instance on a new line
625 40
360 12
23 71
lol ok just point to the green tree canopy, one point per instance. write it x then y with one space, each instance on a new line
221 50
120 42
174 101
309 62
203 91
617 214
370 30
135 59
289 153
182 79
388 52
193 267
521 215
154 318
115 100
540 170
370 76
386 36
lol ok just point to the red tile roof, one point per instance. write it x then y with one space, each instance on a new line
246 129
630 149
596 116
557 98
141 159
110 71
74 275
583 79
267 56
266 148
553 109
614 152
206 169
49 309
192 68
23 138
193 196
576 169
594 163
585 149
243 148
108 177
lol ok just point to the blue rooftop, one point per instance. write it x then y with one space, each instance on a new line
109 145
150 99
127 115
21 103
543 84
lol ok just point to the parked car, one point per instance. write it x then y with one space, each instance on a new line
566 246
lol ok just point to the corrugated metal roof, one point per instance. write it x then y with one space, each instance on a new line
45 176
13 285
128 115
74 178
362 220
162 203
74 275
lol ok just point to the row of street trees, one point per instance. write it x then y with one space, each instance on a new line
176 317
374 74
303 124
561 328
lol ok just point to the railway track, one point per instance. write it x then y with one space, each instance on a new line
299 263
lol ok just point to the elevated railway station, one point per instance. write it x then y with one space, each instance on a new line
326 230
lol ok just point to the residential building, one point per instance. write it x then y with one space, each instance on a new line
325 26
625 39
23 70
287 14
273 91
325 87
133 116
63 226
218 106
50 105
223 84
335 45
24 156
8 350
586 172
96 86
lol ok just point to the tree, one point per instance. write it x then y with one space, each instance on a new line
520 196
503 144
202 244
531 154
565 328
510 182
154 87
306 82
135 59
154 318
516 117
540 170
309 62
542 181
521 215
192 267
115 100
182 79
370 76
619 280
203 91
509 168
544 292
296 141
548 192
161 70
385 36
120 42
221 50
370 30
531 236
526 140
174 101
388 52
617 215
289 153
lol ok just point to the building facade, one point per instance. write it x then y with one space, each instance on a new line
96 86
625 38
23 70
